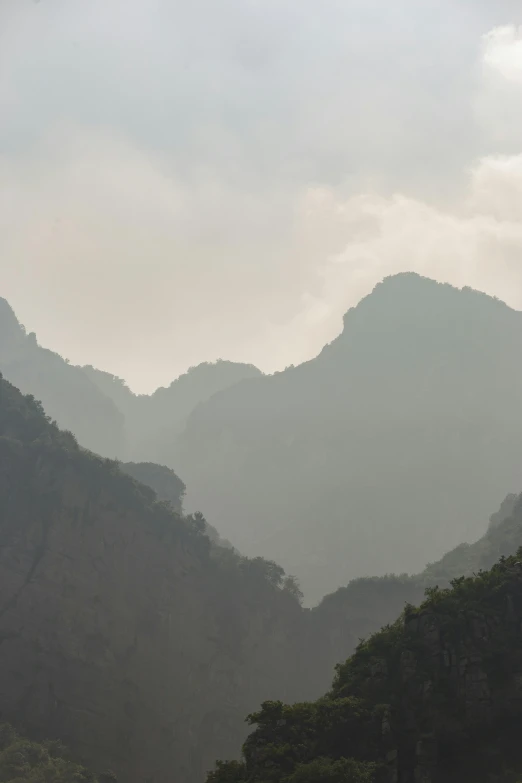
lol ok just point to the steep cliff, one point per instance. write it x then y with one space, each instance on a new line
380 454
436 697
123 631
67 393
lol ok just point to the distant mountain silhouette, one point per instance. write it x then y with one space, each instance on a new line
154 422
380 454
67 393
99 408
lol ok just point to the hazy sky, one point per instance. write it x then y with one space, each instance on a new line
224 178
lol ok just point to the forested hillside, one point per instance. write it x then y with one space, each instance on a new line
41 762
129 635
435 697
379 455
124 631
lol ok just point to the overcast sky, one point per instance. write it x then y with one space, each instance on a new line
183 181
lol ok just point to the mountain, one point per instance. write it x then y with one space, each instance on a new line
368 603
154 422
128 634
381 453
67 393
436 697
168 487
124 631
161 479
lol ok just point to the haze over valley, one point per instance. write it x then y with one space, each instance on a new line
260 392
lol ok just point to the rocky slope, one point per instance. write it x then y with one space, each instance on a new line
380 454
123 631
436 697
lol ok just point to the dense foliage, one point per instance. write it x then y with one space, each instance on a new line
132 618
400 688
23 761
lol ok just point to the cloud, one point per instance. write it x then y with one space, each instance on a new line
503 52
181 182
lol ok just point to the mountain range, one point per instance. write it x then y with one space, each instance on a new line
380 454
134 632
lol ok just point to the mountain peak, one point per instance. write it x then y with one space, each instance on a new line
10 326
408 296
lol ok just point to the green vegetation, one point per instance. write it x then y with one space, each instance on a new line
412 700
23 761
365 605
133 619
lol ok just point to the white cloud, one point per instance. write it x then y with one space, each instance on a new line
503 52
227 179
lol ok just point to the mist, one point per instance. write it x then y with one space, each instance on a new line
260 391
180 185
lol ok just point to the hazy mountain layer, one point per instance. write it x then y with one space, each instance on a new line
364 605
124 632
68 395
154 422
380 454
130 636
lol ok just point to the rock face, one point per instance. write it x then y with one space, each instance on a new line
123 632
380 454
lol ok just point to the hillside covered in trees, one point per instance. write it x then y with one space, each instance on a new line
41 762
125 632
434 697
379 455
131 636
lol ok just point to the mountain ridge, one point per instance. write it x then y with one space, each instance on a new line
402 400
